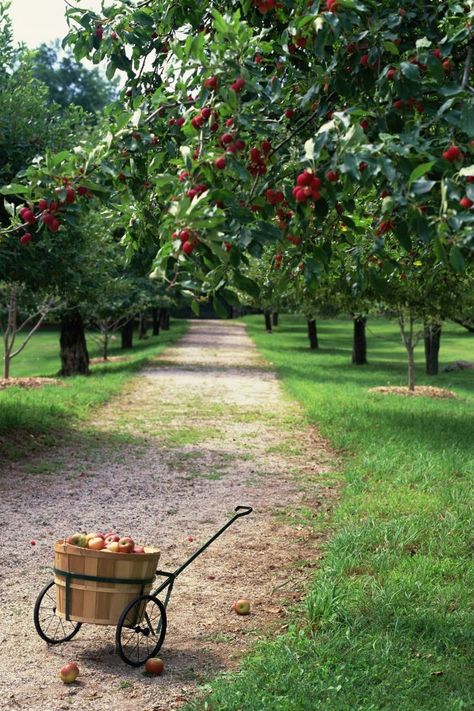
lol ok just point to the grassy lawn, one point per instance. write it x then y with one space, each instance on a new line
31 417
388 622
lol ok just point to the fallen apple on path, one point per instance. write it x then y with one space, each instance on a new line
154 665
69 672
241 607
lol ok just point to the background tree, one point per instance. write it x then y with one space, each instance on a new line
70 82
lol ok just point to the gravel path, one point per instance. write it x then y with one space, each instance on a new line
204 428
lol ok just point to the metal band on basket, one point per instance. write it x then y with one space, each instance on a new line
98 579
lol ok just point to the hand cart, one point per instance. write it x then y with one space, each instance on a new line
141 627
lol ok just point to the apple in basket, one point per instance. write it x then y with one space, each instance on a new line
138 549
69 672
96 544
112 538
77 539
112 547
126 545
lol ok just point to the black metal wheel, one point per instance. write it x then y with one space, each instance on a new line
141 630
50 626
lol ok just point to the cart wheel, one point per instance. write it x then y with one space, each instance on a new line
141 630
50 627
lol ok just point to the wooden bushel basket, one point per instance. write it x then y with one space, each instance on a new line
95 586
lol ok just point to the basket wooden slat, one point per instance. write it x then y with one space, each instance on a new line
95 601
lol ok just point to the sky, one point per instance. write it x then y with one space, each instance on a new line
37 21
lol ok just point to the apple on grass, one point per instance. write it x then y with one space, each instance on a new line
69 672
241 607
154 665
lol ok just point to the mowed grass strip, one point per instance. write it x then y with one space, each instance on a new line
39 411
388 622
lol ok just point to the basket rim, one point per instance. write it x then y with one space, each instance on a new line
69 549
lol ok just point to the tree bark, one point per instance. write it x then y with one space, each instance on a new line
74 354
142 326
432 338
156 316
268 321
165 319
411 368
127 335
313 334
359 342
105 350
275 316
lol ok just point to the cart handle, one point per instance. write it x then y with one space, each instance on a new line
240 511
244 510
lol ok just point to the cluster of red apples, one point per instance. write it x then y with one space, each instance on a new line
107 542
46 211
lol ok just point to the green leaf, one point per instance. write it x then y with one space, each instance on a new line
195 308
420 170
219 307
421 187
14 189
467 119
219 22
456 259
247 285
410 71
391 47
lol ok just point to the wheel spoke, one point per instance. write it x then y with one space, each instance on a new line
142 640
50 626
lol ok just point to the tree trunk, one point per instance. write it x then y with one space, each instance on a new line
74 355
6 365
359 342
313 334
411 368
432 337
142 326
156 315
127 335
275 315
268 321
105 350
165 319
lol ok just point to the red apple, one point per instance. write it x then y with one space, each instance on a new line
154 665
96 544
241 607
112 538
138 549
69 672
26 238
125 545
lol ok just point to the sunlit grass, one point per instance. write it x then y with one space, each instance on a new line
388 622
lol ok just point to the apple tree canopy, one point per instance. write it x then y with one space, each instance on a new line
301 127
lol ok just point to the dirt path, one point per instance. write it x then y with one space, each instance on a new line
204 428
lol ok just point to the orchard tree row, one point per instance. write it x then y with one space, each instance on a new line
334 138
79 275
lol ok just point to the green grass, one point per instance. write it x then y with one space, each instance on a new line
388 622
29 418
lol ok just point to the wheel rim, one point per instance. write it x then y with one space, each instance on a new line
52 628
141 630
